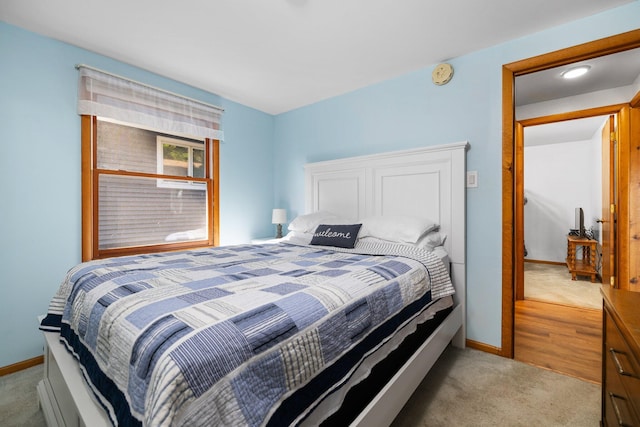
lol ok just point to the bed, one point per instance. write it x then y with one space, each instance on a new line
273 334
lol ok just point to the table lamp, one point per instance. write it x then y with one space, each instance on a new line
279 217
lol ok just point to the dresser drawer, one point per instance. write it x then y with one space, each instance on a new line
626 364
622 377
618 409
620 357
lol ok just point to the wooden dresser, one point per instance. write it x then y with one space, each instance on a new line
621 358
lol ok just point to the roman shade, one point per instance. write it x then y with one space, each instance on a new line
109 96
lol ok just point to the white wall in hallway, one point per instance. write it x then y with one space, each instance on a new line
557 179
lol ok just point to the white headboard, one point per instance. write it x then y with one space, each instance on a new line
427 182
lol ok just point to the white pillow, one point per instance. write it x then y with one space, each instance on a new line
394 228
432 240
309 222
298 237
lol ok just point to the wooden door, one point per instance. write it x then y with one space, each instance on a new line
608 201
631 263
519 213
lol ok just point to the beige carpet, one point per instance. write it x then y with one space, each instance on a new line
473 388
464 388
552 283
19 399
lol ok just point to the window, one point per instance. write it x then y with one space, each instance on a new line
146 191
149 167
182 158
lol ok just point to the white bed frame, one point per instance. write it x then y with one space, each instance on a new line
427 182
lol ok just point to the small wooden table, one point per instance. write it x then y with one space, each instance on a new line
586 266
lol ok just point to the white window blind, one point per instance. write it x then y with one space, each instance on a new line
106 95
137 205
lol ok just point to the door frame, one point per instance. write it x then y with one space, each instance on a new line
510 193
610 110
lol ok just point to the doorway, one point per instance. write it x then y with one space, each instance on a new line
562 184
558 320
513 191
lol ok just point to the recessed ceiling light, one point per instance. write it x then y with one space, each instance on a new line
572 73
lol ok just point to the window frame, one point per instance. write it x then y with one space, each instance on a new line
90 200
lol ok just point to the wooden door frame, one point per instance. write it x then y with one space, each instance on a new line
518 260
606 46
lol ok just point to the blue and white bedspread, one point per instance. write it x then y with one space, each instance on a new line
226 336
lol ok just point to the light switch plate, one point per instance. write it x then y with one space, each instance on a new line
472 179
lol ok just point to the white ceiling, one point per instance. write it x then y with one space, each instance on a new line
606 72
619 71
571 131
278 55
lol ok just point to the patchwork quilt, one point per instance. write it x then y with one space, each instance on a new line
236 335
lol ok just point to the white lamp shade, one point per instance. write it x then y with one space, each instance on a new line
279 216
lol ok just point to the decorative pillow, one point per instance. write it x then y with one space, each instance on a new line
309 222
338 235
393 228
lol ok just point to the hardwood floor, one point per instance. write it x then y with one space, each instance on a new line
560 338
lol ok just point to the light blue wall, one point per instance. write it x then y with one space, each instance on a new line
40 169
262 159
409 112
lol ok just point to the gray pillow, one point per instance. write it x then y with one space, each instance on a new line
338 235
